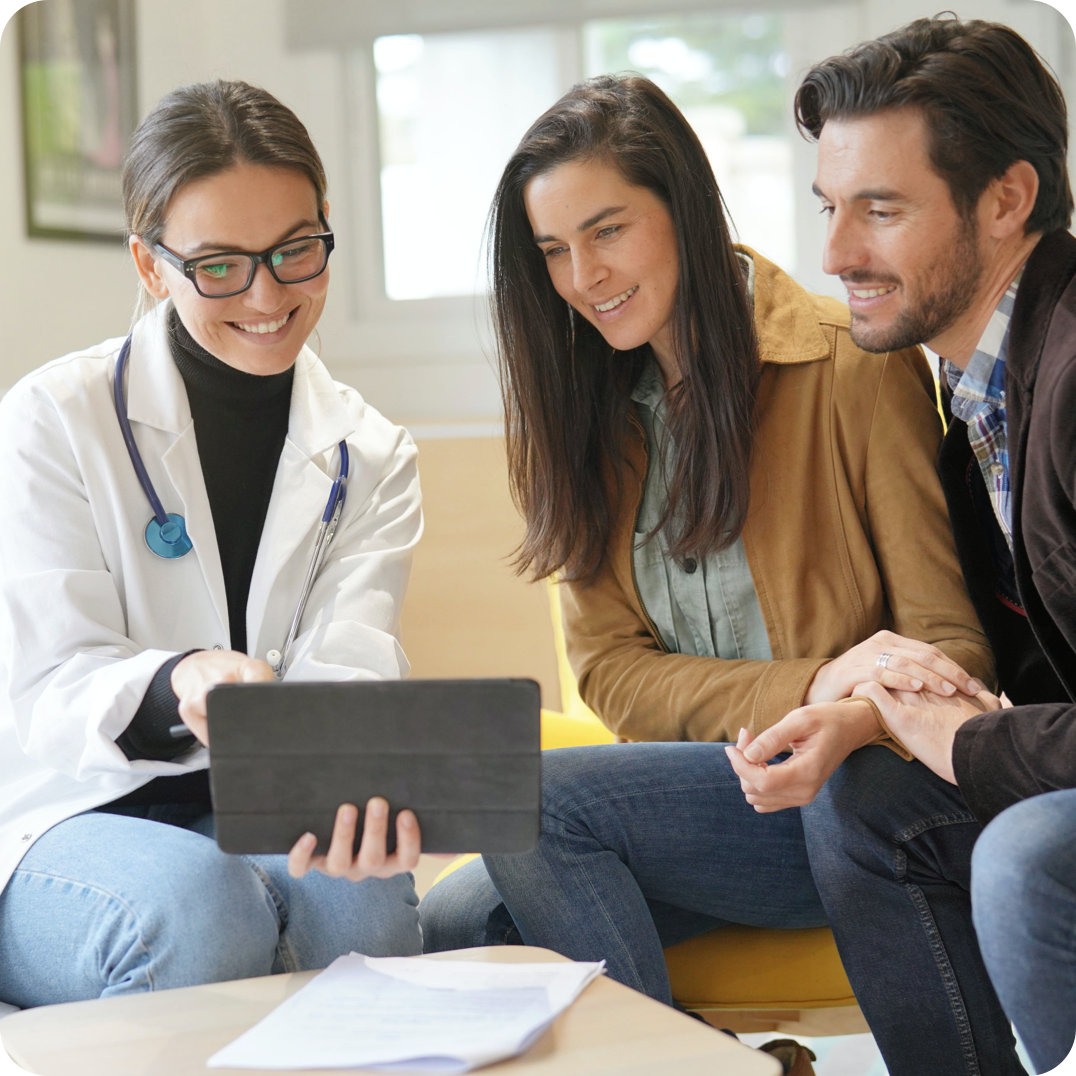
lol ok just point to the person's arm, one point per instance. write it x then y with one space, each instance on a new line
149 733
351 627
1005 756
642 693
906 518
73 676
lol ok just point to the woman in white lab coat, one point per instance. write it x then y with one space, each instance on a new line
111 882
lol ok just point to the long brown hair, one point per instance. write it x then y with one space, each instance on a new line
567 392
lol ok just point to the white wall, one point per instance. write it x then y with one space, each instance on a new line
413 360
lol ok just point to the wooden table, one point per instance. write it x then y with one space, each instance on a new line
609 1029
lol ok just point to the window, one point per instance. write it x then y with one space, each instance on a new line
727 74
452 107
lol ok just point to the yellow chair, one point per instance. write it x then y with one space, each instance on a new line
738 977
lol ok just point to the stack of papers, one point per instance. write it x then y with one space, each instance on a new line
408 1014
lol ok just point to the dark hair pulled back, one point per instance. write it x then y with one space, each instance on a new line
203 129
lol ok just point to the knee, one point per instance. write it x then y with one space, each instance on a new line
461 911
1015 858
202 918
848 811
852 789
389 918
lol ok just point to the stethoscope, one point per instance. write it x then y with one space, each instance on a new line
166 532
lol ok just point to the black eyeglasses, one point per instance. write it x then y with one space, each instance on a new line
218 276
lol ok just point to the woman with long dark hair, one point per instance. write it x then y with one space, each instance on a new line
743 508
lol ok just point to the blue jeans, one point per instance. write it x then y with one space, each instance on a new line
646 845
108 904
890 846
642 846
1023 885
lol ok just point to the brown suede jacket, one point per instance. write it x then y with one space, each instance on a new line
847 533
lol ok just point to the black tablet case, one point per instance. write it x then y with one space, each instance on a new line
462 754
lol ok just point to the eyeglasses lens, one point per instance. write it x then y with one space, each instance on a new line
224 275
299 260
230 274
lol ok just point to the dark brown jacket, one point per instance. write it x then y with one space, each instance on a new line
1027 604
846 533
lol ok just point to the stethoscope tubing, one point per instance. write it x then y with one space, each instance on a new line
128 436
330 518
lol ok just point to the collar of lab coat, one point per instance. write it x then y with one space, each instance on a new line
156 395
317 421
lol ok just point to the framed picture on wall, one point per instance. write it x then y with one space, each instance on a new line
77 74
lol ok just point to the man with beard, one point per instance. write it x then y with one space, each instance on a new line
942 170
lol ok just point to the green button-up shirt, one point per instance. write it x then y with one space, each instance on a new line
708 607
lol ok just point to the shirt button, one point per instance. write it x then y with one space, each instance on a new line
218 647
997 469
690 565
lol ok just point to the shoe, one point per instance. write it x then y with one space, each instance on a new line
795 1058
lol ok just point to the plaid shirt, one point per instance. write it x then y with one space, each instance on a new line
979 400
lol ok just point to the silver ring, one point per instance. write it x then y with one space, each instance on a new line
883 660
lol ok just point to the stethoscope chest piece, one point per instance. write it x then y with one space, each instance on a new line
170 540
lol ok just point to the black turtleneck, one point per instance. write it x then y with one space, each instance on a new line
240 423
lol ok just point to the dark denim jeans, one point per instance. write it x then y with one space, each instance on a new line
890 846
645 845
1023 885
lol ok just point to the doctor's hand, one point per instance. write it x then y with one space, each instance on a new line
820 738
198 672
372 860
911 666
925 723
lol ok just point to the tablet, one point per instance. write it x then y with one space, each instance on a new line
462 754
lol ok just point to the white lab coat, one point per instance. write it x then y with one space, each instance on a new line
88 614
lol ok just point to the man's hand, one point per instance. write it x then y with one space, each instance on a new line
820 737
193 677
372 860
912 666
926 723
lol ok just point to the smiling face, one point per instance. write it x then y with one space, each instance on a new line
912 264
611 252
249 207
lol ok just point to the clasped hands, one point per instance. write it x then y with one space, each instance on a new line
191 681
923 698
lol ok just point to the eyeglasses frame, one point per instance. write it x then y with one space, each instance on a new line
189 266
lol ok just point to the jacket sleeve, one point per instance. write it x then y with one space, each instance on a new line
72 676
908 522
643 693
1005 756
351 627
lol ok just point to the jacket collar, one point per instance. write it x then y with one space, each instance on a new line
1047 274
787 323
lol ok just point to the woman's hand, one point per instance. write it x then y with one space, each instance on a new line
372 861
820 738
912 666
198 672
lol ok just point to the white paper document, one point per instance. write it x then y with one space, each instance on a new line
409 1014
